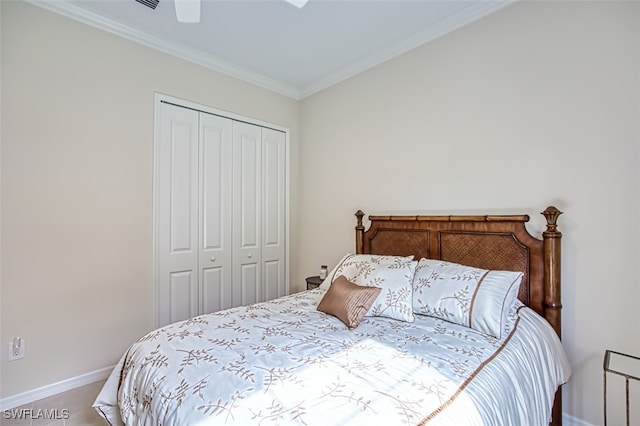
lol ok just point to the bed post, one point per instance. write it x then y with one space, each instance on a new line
551 238
359 232
552 302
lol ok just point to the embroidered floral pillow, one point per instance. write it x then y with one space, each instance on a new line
473 297
392 274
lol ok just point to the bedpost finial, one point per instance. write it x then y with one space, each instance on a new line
359 232
551 213
359 215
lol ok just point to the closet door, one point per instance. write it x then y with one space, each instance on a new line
177 214
215 177
273 213
220 212
247 202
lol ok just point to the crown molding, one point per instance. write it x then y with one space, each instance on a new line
467 15
167 46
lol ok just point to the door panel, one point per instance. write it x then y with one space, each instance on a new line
273 212
177 215
183 303
181 184
273 280
247 153
250 291
216 151
216 292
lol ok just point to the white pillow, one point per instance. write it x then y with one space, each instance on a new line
392 274
473 297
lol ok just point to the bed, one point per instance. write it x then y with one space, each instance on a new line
396 352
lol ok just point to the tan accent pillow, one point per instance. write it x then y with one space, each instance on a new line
347 301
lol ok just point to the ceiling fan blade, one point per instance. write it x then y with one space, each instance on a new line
187 10
298 3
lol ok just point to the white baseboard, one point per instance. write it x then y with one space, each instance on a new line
54 388
568 420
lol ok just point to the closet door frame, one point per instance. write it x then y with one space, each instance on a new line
160 98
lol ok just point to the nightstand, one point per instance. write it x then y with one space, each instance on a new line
313 282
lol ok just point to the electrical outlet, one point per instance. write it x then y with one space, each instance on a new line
17 348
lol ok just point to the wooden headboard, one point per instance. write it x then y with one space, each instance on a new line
488 242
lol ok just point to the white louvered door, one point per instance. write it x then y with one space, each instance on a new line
220 213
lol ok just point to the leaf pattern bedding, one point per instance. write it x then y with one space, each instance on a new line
284 362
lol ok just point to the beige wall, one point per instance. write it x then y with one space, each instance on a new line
77 145
535 105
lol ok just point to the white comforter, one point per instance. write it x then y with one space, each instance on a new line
283 362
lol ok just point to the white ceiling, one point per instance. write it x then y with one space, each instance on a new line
271 43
